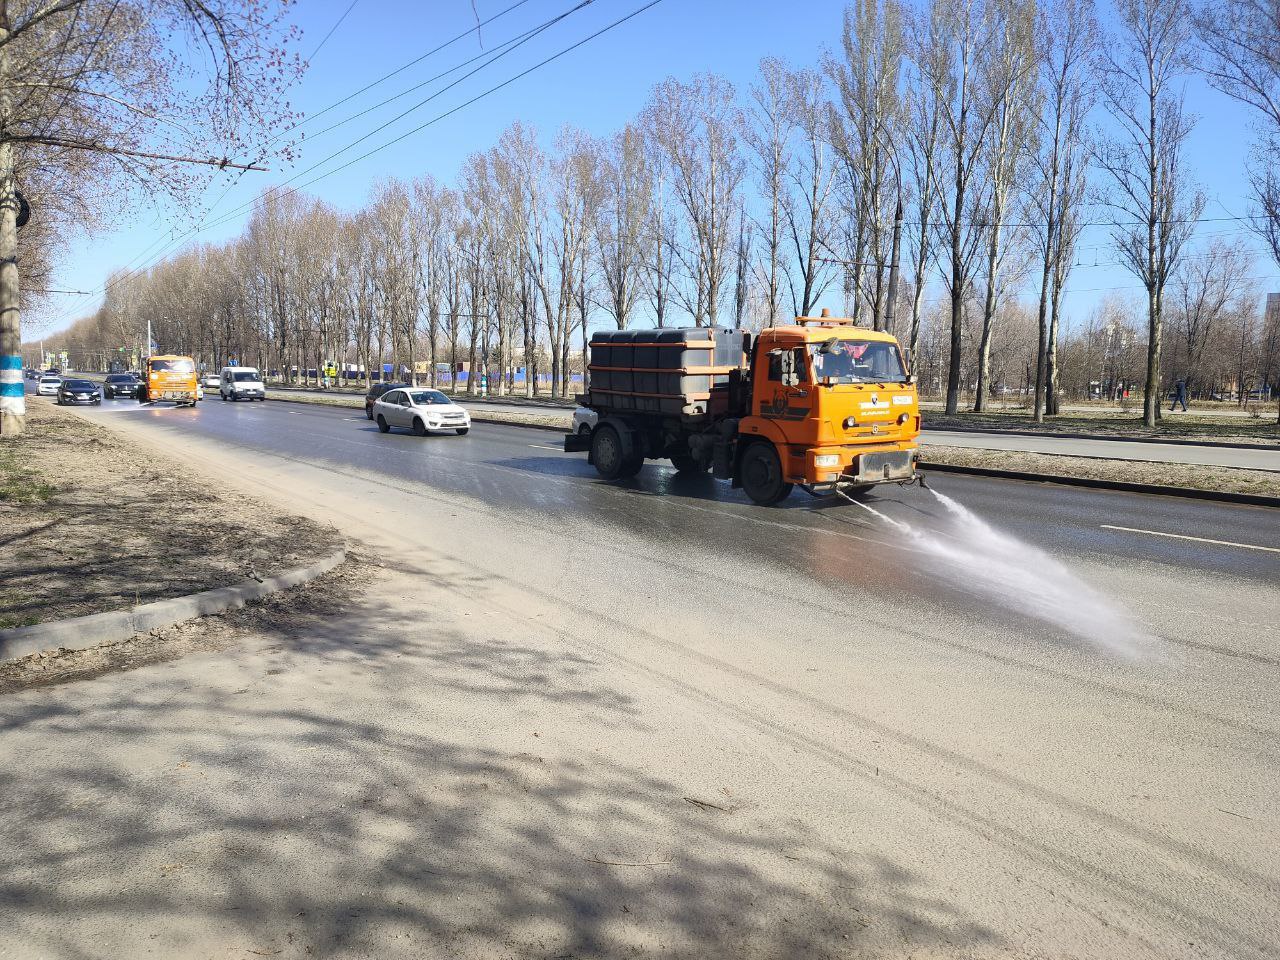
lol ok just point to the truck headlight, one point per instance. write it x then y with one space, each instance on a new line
827 460
850 423
903 418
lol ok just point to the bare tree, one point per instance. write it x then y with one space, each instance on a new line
697 123
1010 74
865 133
1069 29
1243 41
966 27
922 138
1207 288
620 223
102 97
1155 202
811 173
767 131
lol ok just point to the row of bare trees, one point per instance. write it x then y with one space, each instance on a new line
960 148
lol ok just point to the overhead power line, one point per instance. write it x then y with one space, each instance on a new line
231 215
176 238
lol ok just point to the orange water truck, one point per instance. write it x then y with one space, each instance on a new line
821 404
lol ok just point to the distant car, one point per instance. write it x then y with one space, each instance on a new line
33 373
421 410
78 391
377 390
210 380
584 421
120 385
54 372
48 385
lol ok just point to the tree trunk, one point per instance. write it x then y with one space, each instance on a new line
1151 398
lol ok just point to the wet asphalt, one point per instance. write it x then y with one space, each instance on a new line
525 469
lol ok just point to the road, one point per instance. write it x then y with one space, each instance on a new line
569 718
1248 458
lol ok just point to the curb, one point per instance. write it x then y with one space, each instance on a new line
1153 489
564 428
1175 442
80 633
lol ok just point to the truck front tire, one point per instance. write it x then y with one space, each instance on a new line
761 473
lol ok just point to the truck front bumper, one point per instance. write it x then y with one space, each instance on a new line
889 463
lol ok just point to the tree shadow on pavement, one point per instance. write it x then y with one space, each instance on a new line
277 831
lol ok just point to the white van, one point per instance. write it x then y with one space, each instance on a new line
241 383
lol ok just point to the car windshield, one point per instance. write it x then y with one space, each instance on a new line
78 385
50 380
248 376
856 361
120 378
424 397
173 366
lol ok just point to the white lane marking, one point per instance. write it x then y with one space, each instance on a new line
1183 536
350 419
539 446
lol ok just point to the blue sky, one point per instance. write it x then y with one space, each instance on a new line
597 87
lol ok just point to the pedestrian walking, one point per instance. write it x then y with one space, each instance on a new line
1179 396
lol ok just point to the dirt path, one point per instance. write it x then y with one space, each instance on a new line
92 521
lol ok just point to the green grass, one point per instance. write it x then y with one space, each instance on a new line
21 485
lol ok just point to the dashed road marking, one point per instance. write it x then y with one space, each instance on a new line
1183 536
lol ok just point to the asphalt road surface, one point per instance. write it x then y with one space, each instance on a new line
570 718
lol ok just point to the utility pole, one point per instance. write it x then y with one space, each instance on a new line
891 308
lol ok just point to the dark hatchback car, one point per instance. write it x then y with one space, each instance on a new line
377 390
79 391
121 385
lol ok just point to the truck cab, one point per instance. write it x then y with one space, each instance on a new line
169 377
837 406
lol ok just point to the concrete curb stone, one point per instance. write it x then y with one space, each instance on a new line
80 633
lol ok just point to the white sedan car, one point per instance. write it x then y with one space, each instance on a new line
421 410
48 386
584 421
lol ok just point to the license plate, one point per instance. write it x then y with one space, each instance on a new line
888 465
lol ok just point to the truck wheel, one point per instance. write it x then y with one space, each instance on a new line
762 478
607 455
687 463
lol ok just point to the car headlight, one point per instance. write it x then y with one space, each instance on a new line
827 460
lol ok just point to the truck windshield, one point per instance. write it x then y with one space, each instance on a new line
173 366
856 361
